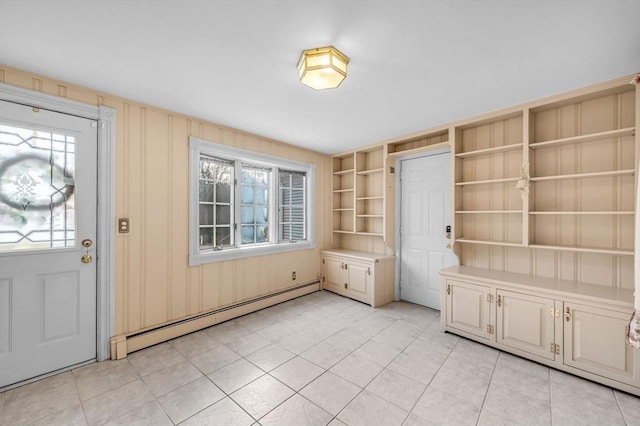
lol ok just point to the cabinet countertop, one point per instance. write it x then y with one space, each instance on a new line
576 289
357 254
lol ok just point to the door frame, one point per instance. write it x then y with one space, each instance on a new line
398 206
105 246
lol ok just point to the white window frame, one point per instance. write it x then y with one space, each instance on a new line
198 147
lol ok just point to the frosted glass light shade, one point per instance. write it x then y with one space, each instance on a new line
322 68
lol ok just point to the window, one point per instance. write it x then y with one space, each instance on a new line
291 207
215 203
245 204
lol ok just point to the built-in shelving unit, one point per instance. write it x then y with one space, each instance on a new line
487 162
546 188
358 194
583 158
436 139
343 194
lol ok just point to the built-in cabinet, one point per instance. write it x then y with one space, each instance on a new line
360 264
571 326
543 226
361 276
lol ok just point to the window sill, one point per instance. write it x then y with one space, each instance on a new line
241 253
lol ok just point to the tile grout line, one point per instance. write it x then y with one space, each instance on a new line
75 382
550 398
488 387
434 375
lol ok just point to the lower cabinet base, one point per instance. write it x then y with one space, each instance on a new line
571 326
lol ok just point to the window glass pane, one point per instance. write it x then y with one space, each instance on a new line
297 215
285 180
262 215
298 180
285 214
206 214
223 192
206 191
248 175
297 232
206 238
247 194
223 215
37 189
223 236
262 195
285 197
262 234
248 236
262 177
247 215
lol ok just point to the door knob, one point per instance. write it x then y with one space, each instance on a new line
86 258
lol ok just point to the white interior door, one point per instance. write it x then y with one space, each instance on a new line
425 211
48 167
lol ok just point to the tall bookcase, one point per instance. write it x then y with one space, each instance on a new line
549 189
359 197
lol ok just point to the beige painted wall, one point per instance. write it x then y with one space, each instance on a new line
153 282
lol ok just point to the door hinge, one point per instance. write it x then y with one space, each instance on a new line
448 288
94 124
369 271
555 312
345 286
499 301
490 329
490 297
323 261
345 266
322 279
555 349
567 314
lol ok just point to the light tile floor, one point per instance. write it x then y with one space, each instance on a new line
316 360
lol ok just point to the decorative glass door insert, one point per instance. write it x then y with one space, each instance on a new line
37 208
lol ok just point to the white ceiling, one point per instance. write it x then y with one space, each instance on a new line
414 64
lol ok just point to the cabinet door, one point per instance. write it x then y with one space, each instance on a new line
526 323
595 341
333 272
359 281
468 308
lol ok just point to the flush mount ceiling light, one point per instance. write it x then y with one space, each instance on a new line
323 68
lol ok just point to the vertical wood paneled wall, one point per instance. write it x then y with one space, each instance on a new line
153 282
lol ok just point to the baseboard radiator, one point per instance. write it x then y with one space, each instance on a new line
123 345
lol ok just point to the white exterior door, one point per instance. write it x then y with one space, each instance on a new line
425 212
48 180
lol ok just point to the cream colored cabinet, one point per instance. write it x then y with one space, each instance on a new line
527 323
469 308
348 277
594 341
361 276
575 327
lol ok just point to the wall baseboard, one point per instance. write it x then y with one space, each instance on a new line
123 345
